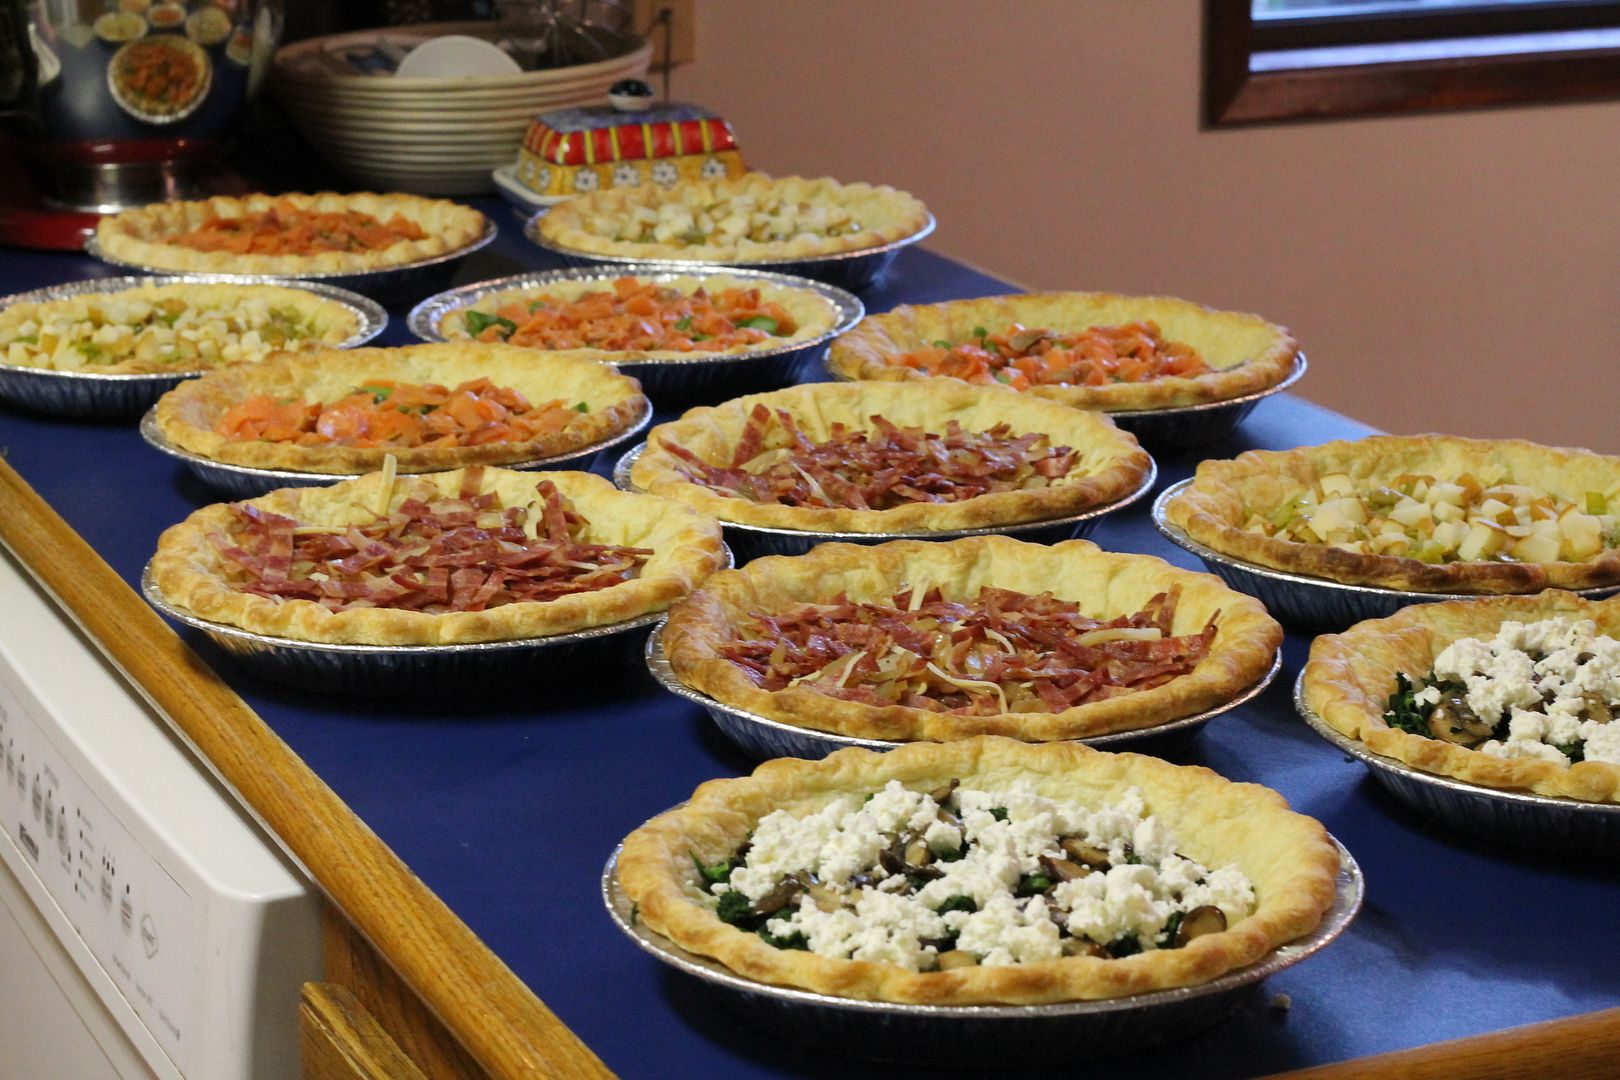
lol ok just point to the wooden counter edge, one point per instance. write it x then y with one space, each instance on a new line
505 1028
1584 1047
339 1040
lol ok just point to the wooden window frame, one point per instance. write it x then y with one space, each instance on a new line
1236 94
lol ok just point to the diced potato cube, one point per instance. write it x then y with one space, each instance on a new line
1537 548
1582 535
1449 534
1443 492
1493 508
1336 486
1483 540
1445 511
1409 512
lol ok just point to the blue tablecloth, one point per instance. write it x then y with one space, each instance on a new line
508 803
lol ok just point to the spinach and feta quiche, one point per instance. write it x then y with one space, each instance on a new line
1427 513
1518 693
981 871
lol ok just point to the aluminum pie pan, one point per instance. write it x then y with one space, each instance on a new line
246 482
101 395
988 1036
751 542
762 738
1309 602
387 284
1181 427
853 270
710 380
396 670
1519 818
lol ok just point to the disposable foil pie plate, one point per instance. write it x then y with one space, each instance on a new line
988 1036
701 379
398 670
1518 818
1181 427
1301 601
750 542
387 284
853 270
762 738
101 395
246 482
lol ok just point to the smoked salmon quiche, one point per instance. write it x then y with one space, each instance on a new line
986 871
431 407
1088 350
918 640
881 457
1428 513
476 554
326 233
1509 692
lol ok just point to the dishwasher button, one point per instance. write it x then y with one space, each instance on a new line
149 940
38 799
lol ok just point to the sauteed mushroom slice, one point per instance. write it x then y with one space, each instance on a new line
940 794
1085 854
1063 869
784 894
1454 722
1201 920
1079 946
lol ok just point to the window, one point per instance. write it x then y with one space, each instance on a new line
1302 59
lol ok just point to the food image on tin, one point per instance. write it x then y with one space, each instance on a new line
159 79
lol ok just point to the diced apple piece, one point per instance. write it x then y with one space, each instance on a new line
1336 486
1409 512
1536 548
1483 541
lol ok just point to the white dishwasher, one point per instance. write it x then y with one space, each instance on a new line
148 927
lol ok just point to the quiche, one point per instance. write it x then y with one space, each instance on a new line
878 457
1428 513
1511 692
476 554
149 329
685 317
293 234
1087 350
986 871
917 640
431 407
752 218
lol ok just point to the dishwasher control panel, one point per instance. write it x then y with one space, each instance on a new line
134 918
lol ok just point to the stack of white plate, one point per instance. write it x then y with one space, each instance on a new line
429 136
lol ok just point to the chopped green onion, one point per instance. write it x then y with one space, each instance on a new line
685 323
478 322
760 322
378 393
582 407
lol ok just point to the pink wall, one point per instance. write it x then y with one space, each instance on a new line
1454 272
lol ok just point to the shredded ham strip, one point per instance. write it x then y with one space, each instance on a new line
284 229
466 553
1005 651
1022 357
875 470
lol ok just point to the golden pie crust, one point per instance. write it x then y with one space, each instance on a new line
1288 857
1103 583
1350 676
1248 354
187 568
1110 464
812 314
884 213
140 236
1223 494
187 414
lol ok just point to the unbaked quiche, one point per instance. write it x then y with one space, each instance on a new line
477 554
916 640
985 871
687 317
1088 350
432 407
751 218
324 233
170 329
879 457
1517 693
1429 513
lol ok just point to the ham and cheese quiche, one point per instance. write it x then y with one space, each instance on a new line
293 234
985 871
916 640
685 317
878 457
477 554
752 218
1088 350
431 407
1517 693
1427 513
179 328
